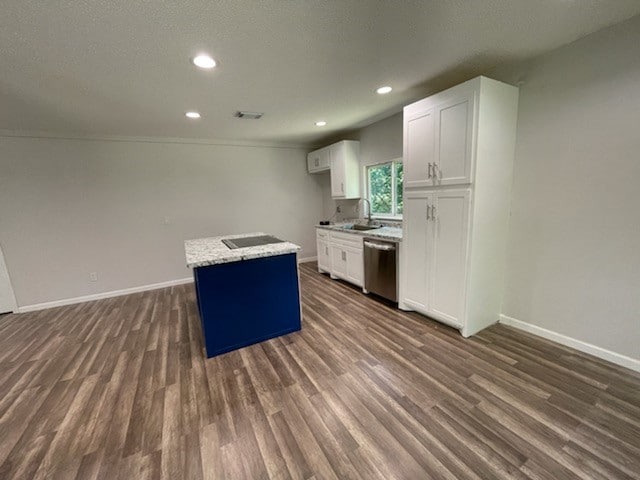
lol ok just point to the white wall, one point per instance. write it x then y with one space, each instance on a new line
71 207
574 249
381 141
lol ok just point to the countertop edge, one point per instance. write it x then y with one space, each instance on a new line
247 256
204 252
362 233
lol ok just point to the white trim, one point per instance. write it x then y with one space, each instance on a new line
394 193
120 138
12 295
99 296
307 259
613 357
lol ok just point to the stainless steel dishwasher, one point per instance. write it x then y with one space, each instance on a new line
380 268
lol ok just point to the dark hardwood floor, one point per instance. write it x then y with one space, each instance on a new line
120 388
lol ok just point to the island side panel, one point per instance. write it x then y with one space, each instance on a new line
198 297
249 301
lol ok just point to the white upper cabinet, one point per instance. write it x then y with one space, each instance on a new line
343 160
345 169
454 134
438 140
418 148
319 160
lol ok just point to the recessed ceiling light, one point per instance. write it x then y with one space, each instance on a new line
321 123
192 115
383 90
204 61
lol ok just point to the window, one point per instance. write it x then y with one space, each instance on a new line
384 186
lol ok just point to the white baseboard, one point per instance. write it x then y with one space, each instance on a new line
613 357
307 259
117 293
99 296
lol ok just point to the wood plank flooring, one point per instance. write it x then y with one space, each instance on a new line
120 388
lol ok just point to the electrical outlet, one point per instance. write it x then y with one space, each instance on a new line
338 209
93 276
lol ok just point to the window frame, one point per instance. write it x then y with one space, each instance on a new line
394 215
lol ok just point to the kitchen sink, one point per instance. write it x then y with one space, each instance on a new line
361 227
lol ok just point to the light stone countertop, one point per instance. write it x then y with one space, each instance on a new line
203 252
392 234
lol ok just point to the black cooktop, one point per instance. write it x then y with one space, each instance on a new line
243 242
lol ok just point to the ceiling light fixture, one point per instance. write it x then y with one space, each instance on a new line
193 115
383 90
203 61
321 123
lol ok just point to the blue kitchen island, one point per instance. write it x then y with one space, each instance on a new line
245 295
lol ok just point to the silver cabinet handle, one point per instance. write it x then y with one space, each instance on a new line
429 174
342 187
435 170
428 211
317 162
326 250
344 256
433 212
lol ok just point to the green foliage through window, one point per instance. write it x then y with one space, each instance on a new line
385 189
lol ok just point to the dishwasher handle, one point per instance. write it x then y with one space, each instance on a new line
387 247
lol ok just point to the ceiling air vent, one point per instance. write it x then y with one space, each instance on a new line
249 115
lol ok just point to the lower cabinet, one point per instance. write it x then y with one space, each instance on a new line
355 266
435 259
338 261
340 254
348 264
324 253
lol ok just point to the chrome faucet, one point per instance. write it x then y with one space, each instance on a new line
368 209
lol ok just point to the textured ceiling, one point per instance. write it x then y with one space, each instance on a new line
121 68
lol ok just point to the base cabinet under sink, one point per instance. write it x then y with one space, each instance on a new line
347 264
341 255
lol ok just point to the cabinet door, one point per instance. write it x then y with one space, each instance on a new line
313 161
338 262
319 160
355 266
337 174
419 149
416 243
448 256
453 140
324 256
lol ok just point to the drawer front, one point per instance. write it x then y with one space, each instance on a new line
347 239
322 234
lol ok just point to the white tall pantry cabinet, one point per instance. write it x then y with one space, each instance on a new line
458 160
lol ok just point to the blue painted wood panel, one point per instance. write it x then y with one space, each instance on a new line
246 302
